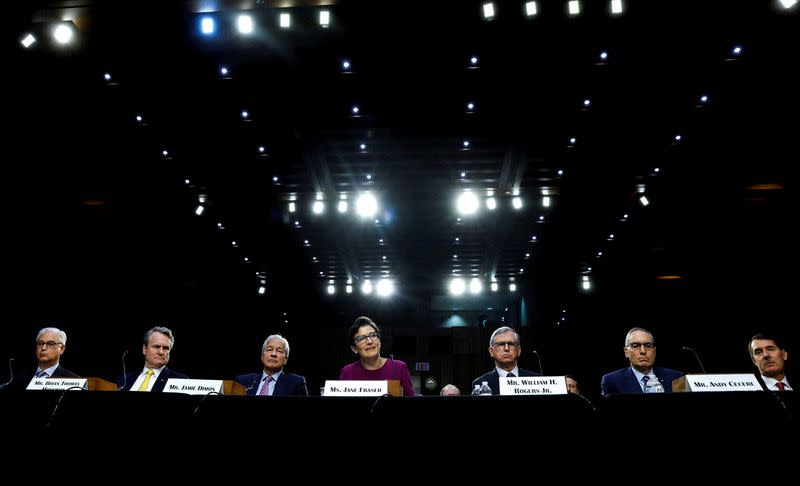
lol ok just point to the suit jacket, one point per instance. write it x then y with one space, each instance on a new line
165 375
21 380
624 381
493 379
287 384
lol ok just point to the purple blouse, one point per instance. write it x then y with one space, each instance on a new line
392 369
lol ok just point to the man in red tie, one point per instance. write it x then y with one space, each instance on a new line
770 358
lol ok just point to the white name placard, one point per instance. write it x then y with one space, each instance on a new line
356 388
57 384
193 387
723 382
533 385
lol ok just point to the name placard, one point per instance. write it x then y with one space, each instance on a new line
193 387
356 388
533 385
57 384
721 382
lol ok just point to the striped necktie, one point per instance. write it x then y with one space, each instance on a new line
264 391
43 374
781 385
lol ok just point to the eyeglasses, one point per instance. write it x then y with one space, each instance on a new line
503 344
47 344
372 336
636 346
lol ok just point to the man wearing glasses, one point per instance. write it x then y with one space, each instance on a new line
505 349
640 349
50 345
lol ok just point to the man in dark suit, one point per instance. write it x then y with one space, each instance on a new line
51 343
770 359
272 380
505 349
158 343
640 349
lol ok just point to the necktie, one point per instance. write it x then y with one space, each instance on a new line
43 373
645 379
143 386
265 387
781 385
511 375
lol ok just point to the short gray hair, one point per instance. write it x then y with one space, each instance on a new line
503 330
638 329
276 336
163 330
450 387
61 334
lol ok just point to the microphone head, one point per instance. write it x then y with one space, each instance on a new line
687 348
124 353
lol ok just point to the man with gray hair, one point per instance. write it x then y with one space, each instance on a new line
505 349
158 343
51 343
640 349
272 380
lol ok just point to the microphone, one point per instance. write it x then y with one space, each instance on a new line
124 375
539 359
256 380
10 374
687 348
394 369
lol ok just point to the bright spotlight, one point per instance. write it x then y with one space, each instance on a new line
366 287
366 205
245 24
457 286
62 34
318 207
467 203
385 287
475 286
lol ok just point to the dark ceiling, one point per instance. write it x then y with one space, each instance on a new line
99 217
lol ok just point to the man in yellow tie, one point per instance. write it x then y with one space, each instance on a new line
158 343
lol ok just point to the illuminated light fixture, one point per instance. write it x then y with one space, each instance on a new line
457 286
530 9
285 20
342 206
467 202
678 138
366 205
573 141
491 203
224 72
324 18
586 284
475 286
736 51
331 289
207 25
262 290
488 10
546 201
199 210
643 200
363 147
347 66
28 41
560 172
385 287
494 286
292 207
244 23
787 4
63 33
573 7
348 289
603 56
318 207
516 203
473 62
366 287
465 145
355 110
275 180
616 7
512 287
587 103
471 107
